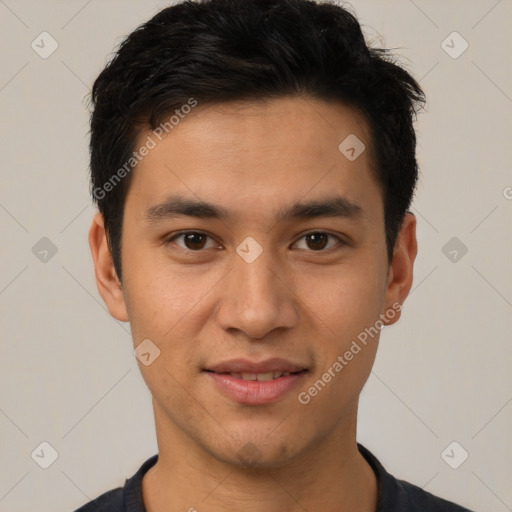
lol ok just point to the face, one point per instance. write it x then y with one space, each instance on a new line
252 245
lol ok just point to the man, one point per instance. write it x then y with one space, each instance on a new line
253 162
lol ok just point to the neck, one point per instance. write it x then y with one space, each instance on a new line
330 476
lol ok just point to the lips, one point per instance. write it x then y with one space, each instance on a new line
261 377
256 383
244 366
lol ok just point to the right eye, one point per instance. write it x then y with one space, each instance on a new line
191 240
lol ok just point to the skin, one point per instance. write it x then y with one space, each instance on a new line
294 301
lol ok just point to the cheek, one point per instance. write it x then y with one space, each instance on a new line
165 301
344 301
169 306
345 354
345 307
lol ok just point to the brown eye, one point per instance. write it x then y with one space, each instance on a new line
194 241
318 240
191 240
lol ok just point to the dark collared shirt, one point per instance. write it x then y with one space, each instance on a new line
393 495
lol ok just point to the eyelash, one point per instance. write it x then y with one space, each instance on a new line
183 233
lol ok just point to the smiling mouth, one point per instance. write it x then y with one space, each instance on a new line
260 377
251 388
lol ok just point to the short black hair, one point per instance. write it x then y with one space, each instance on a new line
213 51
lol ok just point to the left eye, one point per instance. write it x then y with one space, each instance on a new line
318 241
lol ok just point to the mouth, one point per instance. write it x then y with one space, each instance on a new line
252 383
260 377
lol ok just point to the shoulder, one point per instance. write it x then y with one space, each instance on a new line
411 497
128 497
396 495
111 501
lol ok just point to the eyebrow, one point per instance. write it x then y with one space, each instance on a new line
176 206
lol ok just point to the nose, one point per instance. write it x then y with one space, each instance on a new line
256 298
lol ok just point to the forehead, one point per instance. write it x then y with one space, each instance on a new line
248 155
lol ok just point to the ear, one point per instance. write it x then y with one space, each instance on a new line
401 269
109 286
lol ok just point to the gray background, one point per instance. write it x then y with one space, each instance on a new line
68 375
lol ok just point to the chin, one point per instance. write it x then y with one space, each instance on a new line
256 452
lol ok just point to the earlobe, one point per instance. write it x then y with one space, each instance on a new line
109 286
401 269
